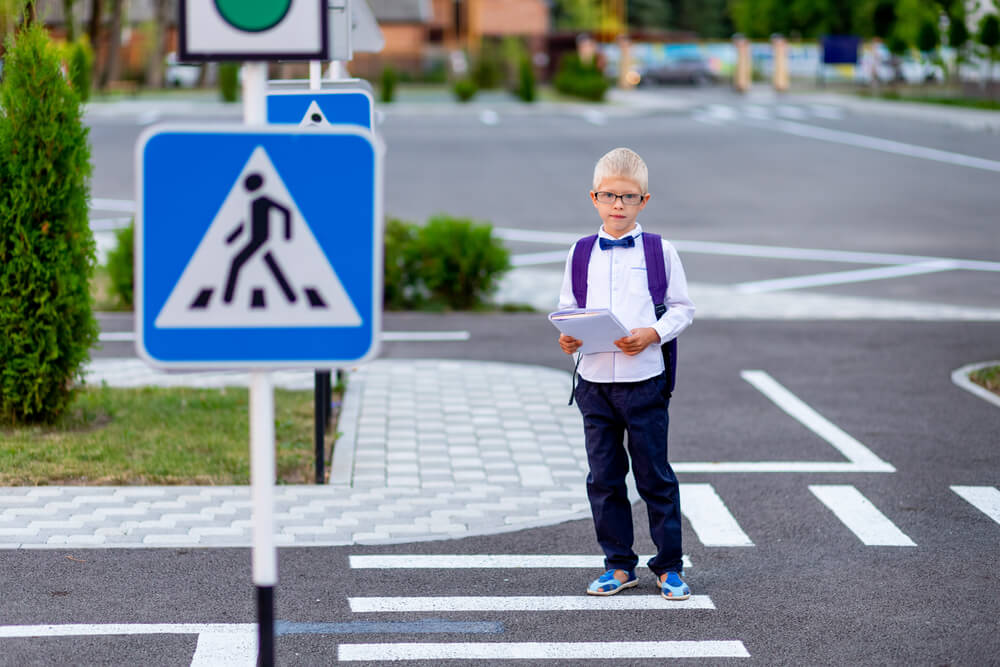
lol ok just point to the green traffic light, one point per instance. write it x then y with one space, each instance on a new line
253 15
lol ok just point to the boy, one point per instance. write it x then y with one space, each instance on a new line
628 391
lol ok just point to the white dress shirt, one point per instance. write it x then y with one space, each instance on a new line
616 279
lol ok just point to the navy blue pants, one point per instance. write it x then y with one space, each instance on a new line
640 409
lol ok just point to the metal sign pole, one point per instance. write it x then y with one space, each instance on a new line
262 457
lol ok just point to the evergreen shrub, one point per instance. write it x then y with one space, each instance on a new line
580 79
465 89
452 263
121 267
47 252
81 67
526 81
488 70
229 81
387 90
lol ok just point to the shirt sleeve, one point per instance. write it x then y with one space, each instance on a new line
680 309
566 298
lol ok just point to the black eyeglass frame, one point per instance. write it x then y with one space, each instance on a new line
614 198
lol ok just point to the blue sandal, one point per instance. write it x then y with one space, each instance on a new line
674 588
606 584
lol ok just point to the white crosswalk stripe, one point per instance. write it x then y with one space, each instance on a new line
862 517
526 603
541 651
483 561
720 114
710 518
986 499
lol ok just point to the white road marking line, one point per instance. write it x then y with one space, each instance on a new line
757 112
986 499
860 516
216 649
595 117
534 258
775 466
541 650
526 603
960 376
884 145
416 336
788 111
388 336
843 277
124 205
710 518
483 561
97 629
722 111
116 336
852 450
489 117
828 112
745 250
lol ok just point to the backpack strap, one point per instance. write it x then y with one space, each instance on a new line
656 277
581 262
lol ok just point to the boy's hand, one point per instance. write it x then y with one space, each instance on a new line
569 344
638 341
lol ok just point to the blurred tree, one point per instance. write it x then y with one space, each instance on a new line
989 37
649 13
11 12
69 19
112 66
162 11
577 14
958 39
95 23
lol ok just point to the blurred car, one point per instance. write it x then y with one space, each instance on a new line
181 75
691 69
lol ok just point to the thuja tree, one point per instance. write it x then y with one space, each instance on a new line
46 248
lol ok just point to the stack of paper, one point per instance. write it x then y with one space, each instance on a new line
598 328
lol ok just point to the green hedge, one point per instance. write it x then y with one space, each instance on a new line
121 267
580 79
47 252
229 81
449 263
465 89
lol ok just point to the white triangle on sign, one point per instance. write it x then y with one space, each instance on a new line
314 117
258 265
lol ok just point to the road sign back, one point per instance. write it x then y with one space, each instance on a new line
260 251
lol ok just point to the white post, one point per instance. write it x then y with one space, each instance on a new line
315 74
337 71
262 457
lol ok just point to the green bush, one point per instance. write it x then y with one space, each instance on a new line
47 252
387 89
580 79
487 71
121 267
399 263
526 81
229 81
81 67
465 89
449 263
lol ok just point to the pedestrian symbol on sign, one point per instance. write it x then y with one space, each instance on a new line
273 260
314 117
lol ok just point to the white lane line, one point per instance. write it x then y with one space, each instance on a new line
116 336
747 250
595 117
217 649
788 111
541 650
388 336
417 336
526 603
843 277
828 112
960 376
489 117
482 561
986 499
774 466
710 518
124 205
860 516
852 450
884 145
535 258
95 629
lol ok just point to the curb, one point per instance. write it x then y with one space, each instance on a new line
960 376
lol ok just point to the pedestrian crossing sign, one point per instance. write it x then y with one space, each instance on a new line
319 107
258 246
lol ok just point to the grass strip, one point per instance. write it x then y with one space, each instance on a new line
988 377
154 435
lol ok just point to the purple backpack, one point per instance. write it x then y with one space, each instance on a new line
656 277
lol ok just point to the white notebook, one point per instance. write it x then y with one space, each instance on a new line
598 328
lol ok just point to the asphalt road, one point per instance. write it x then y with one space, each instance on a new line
808 591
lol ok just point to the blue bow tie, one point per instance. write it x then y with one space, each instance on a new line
625 242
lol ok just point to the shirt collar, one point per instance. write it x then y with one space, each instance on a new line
635 232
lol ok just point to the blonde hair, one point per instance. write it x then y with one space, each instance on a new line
623 163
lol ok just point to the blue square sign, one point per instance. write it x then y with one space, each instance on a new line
320 108
258 247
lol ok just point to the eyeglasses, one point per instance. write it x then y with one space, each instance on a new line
629 199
